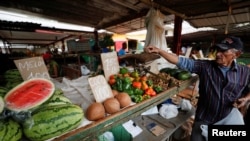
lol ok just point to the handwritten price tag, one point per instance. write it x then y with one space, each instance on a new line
32 68
110 64
100 88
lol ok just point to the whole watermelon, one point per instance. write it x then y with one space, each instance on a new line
52 121
10 130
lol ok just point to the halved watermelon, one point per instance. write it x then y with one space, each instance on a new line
29 94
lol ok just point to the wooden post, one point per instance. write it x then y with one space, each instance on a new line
177 35
96 46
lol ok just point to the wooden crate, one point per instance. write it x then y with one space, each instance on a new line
71 72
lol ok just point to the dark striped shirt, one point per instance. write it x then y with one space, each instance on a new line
216 92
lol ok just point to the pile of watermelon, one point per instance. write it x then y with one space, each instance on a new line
177 73
37 111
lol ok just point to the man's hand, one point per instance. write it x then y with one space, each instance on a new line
151 49
240 102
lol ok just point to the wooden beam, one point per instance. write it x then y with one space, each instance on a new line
166 9
126 4
122 20
243 4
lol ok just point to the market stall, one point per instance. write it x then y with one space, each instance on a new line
94 129
68 98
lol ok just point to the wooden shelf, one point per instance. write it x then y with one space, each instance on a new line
170 125
93 130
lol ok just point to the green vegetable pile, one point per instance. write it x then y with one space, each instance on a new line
138 87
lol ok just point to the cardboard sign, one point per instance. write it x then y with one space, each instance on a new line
155 129
110 64
100 88
32 68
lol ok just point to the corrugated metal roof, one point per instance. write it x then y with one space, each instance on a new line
123 16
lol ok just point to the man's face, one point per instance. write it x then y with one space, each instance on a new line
225 57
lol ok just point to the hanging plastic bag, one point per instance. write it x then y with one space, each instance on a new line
155 36
155 29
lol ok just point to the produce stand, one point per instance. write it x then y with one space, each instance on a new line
93 130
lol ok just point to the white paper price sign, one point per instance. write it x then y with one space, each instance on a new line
100 88
32 68
110 64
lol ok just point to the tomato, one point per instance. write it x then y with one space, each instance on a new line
137 84
153 93
112 76
143 78
112 81
150 91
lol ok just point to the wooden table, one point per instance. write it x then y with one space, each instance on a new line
170 125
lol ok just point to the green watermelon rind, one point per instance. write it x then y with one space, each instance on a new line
1 104
57 100
27 106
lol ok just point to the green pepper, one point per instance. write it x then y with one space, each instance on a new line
138 91
129 91
127 80
123 70
114 87
137 98
158 89
149 82
126 83
126 86
119 84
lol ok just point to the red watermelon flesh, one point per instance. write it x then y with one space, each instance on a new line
29 94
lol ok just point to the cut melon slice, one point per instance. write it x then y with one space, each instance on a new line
29 94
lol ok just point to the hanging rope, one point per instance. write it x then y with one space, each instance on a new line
228 16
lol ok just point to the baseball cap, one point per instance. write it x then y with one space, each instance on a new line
230 43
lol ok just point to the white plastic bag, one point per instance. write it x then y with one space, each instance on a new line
106 136
155 36
155 29
168 111
185 105
84 70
